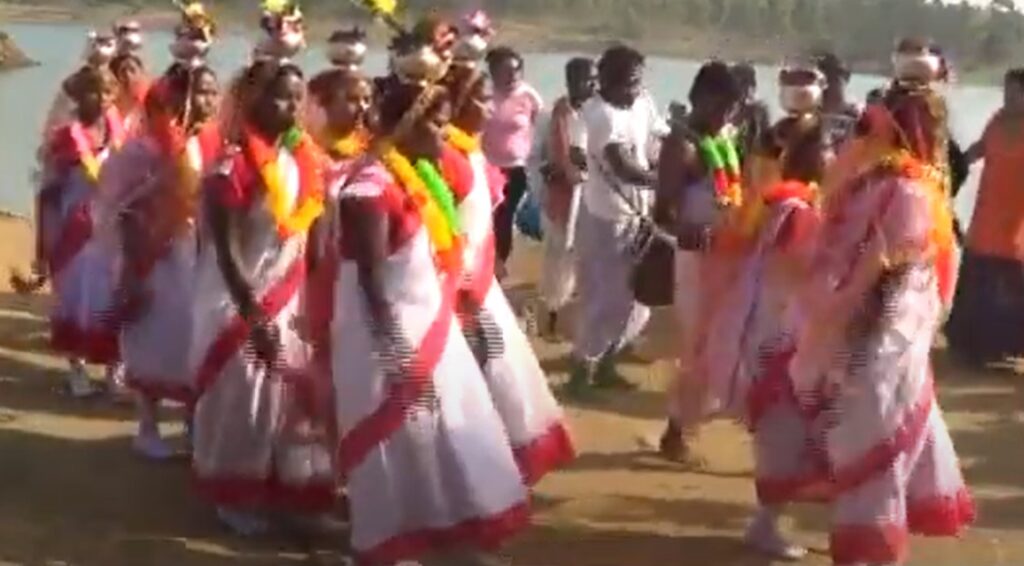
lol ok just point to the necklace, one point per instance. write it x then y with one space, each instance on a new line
84 146
433 198
291 218
940 236
720 155
352 145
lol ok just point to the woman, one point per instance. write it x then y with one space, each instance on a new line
749 339
258 443
132 85
155 182
565 171
83 322
343 96
98 52
988 312
423 448
346 99
884 267
508 140
533 421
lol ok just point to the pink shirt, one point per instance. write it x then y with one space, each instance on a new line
508 134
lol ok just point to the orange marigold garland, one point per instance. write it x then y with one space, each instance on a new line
291 218
940 238
746 221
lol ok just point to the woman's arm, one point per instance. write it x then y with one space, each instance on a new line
558 143
52 177
537 103
366 230
959 167
224 224
132 244
671 178
263 335
690 236
976 151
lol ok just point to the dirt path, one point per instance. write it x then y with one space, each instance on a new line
72 493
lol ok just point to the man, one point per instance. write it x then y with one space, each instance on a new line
687 205
622 126
752 118
564 173
839 114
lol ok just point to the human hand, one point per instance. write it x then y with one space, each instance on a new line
694 238
264 339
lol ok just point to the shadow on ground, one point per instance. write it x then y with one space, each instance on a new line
94 503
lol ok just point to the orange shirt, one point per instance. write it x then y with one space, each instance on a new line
999 212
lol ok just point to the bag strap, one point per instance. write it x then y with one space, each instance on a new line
613 182
647 230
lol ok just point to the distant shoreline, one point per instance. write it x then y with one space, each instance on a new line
530 35
11 215
527 34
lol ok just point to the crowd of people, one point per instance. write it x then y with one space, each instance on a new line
312 266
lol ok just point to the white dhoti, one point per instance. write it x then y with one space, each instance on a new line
558 278
610 318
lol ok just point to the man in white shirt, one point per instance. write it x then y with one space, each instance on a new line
623 127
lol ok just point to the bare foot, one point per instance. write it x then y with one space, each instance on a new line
764 537
672 448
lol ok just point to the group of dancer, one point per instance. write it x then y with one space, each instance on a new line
311 266
815 261
312 277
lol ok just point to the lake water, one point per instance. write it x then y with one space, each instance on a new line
25 95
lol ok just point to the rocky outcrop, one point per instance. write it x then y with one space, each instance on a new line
11 57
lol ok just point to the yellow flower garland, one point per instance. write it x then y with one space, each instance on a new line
442 235
352 145
461 140
91 166
291 218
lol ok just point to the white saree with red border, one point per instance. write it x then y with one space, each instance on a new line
256 440
423 448
532 416
82 266
886 459
157 336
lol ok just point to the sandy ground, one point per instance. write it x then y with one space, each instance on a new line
72 492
